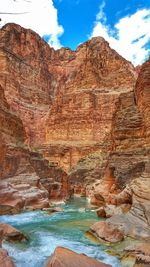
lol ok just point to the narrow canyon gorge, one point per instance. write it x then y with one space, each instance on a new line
75 123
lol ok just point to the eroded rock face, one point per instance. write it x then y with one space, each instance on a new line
88 172
62 96
28 182
136 222
126 160
130 159
107 211
78 120
115 166
26 179
64 257
15 133
85 111
142 94
25 77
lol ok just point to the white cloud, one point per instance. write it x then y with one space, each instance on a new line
101 15
38 15
128 36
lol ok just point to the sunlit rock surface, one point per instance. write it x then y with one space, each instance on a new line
64 257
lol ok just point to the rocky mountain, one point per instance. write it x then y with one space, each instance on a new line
78 119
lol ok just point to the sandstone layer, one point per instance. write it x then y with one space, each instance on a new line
79 122
130 160
25 78
63 96
27 180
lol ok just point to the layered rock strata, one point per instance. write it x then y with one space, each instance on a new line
130 160
67 100
79 119
25 78
27 180
85 112
62 96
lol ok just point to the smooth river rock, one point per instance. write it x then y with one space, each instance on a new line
5 260
64 257
106 232
10 233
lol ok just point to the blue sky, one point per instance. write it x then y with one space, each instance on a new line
78 16
124 24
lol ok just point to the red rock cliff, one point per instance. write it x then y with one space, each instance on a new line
63 97
81 116
130 160
27 181
84 110
24 58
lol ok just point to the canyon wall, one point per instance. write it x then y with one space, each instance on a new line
81 116
65 99
24 75
129 162
27 181
86 112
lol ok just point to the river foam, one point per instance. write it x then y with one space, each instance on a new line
46 232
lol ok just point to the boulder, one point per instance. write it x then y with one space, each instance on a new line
101 212
64 257
135 223
108 232
108 211
141 252
11 234
54 209
5 260
97 200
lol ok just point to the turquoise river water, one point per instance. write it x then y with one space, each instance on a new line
46 232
